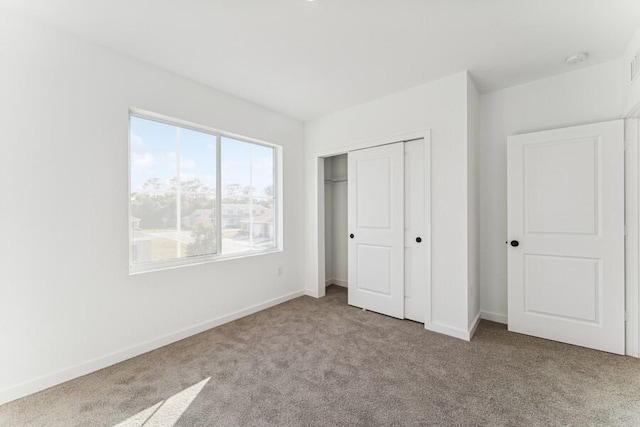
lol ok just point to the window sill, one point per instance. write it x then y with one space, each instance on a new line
172 265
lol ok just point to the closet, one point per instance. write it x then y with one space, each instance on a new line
377 234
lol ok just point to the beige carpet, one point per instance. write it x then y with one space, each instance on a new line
322 363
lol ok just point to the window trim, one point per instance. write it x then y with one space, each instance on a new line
152 266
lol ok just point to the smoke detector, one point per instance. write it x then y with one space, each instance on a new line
577 58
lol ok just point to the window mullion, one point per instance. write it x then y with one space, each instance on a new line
275 198
218 205
178 197
251 197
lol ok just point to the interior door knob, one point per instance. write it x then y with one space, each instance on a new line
418 239
515 243
352 236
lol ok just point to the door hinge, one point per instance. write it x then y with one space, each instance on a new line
627 316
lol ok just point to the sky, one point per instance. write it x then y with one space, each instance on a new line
153 155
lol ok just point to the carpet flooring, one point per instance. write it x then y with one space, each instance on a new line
311 362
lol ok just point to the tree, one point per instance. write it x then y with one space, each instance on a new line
232 191
153 205
266 199
247 191
195 195
204 240
152 186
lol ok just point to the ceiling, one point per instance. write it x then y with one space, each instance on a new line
309 58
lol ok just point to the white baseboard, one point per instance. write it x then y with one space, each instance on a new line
337 282
311 293
66 374
494 317
451 331
474 325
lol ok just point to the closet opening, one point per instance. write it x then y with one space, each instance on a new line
335 223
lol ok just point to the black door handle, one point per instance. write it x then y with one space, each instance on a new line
418 239
352 236
515 243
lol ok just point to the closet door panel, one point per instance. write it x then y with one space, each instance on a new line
376 229
415 236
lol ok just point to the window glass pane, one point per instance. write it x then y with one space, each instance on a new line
153 192
248 208
198 192
157 184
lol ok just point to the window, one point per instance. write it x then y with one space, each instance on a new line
197 195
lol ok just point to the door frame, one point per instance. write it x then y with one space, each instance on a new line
319 161
632 231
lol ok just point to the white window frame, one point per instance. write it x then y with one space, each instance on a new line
218 256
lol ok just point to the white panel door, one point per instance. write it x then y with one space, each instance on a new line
566 235
375 217
415 237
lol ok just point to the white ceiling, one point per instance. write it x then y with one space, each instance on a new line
307 59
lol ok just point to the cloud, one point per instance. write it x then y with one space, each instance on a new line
142 161
187 177
137 143
187 164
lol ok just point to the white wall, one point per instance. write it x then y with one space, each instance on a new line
67 302
632 96
588 95
442 107
336 220
473 175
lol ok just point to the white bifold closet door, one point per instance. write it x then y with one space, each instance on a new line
566 235
386 220
416 237
376 227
